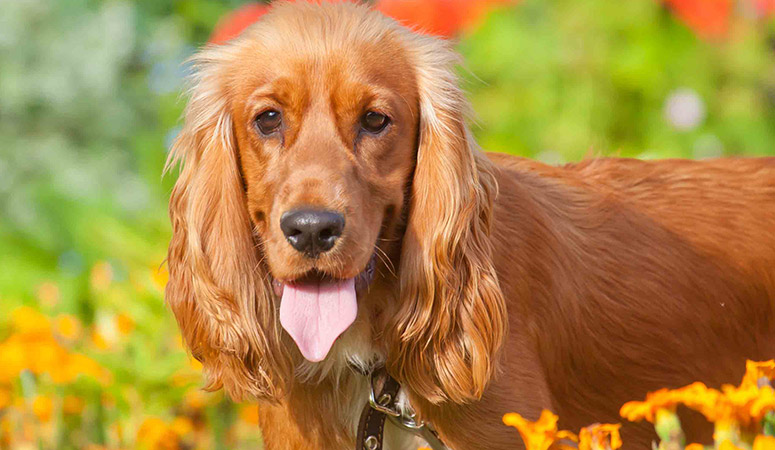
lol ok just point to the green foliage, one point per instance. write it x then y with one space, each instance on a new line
563 80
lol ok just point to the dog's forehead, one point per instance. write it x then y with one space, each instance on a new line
298 38
299 70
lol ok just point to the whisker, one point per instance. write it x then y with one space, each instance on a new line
386 260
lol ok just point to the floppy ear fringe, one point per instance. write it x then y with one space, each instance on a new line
218 290
451 322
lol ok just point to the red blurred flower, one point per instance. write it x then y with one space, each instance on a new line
708 18
235 22
438 17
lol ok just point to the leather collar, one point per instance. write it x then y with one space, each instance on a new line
382 405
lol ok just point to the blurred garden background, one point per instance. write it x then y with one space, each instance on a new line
90 101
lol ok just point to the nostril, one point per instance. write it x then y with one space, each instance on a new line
326 234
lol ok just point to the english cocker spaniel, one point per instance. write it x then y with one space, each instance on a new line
333 216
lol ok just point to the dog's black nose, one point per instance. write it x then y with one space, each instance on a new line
312 231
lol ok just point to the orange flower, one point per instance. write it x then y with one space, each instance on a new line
707 401
539 435
42 407
754 371
182 426
124 323
745 404
154 434
662 399
695 447
600 436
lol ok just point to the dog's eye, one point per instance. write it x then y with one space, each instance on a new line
269 121
374 122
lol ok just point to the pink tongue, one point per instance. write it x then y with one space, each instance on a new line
315 314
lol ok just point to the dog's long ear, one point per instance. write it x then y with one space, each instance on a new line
219 293
452 318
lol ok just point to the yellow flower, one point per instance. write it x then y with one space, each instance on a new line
68 326
182 426
195 364
14 359
154 434
539 435
662 399
763 404
729 404
709 402
37 351
745 404
84 365
42 407
27 320
160 276
763 442
125 324
99 340
600 436
754 371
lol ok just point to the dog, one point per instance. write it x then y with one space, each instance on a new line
333 214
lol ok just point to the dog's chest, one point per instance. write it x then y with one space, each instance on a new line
351 357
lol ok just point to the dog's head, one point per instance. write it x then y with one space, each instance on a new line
326 147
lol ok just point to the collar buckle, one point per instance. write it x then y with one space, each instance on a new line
385 402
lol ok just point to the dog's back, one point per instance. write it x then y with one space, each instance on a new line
637 275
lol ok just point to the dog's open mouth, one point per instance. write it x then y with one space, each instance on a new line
316 309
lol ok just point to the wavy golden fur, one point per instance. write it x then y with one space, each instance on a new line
502 284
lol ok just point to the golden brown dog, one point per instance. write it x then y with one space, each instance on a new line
332 211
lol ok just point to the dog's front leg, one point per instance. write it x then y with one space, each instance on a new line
279 431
